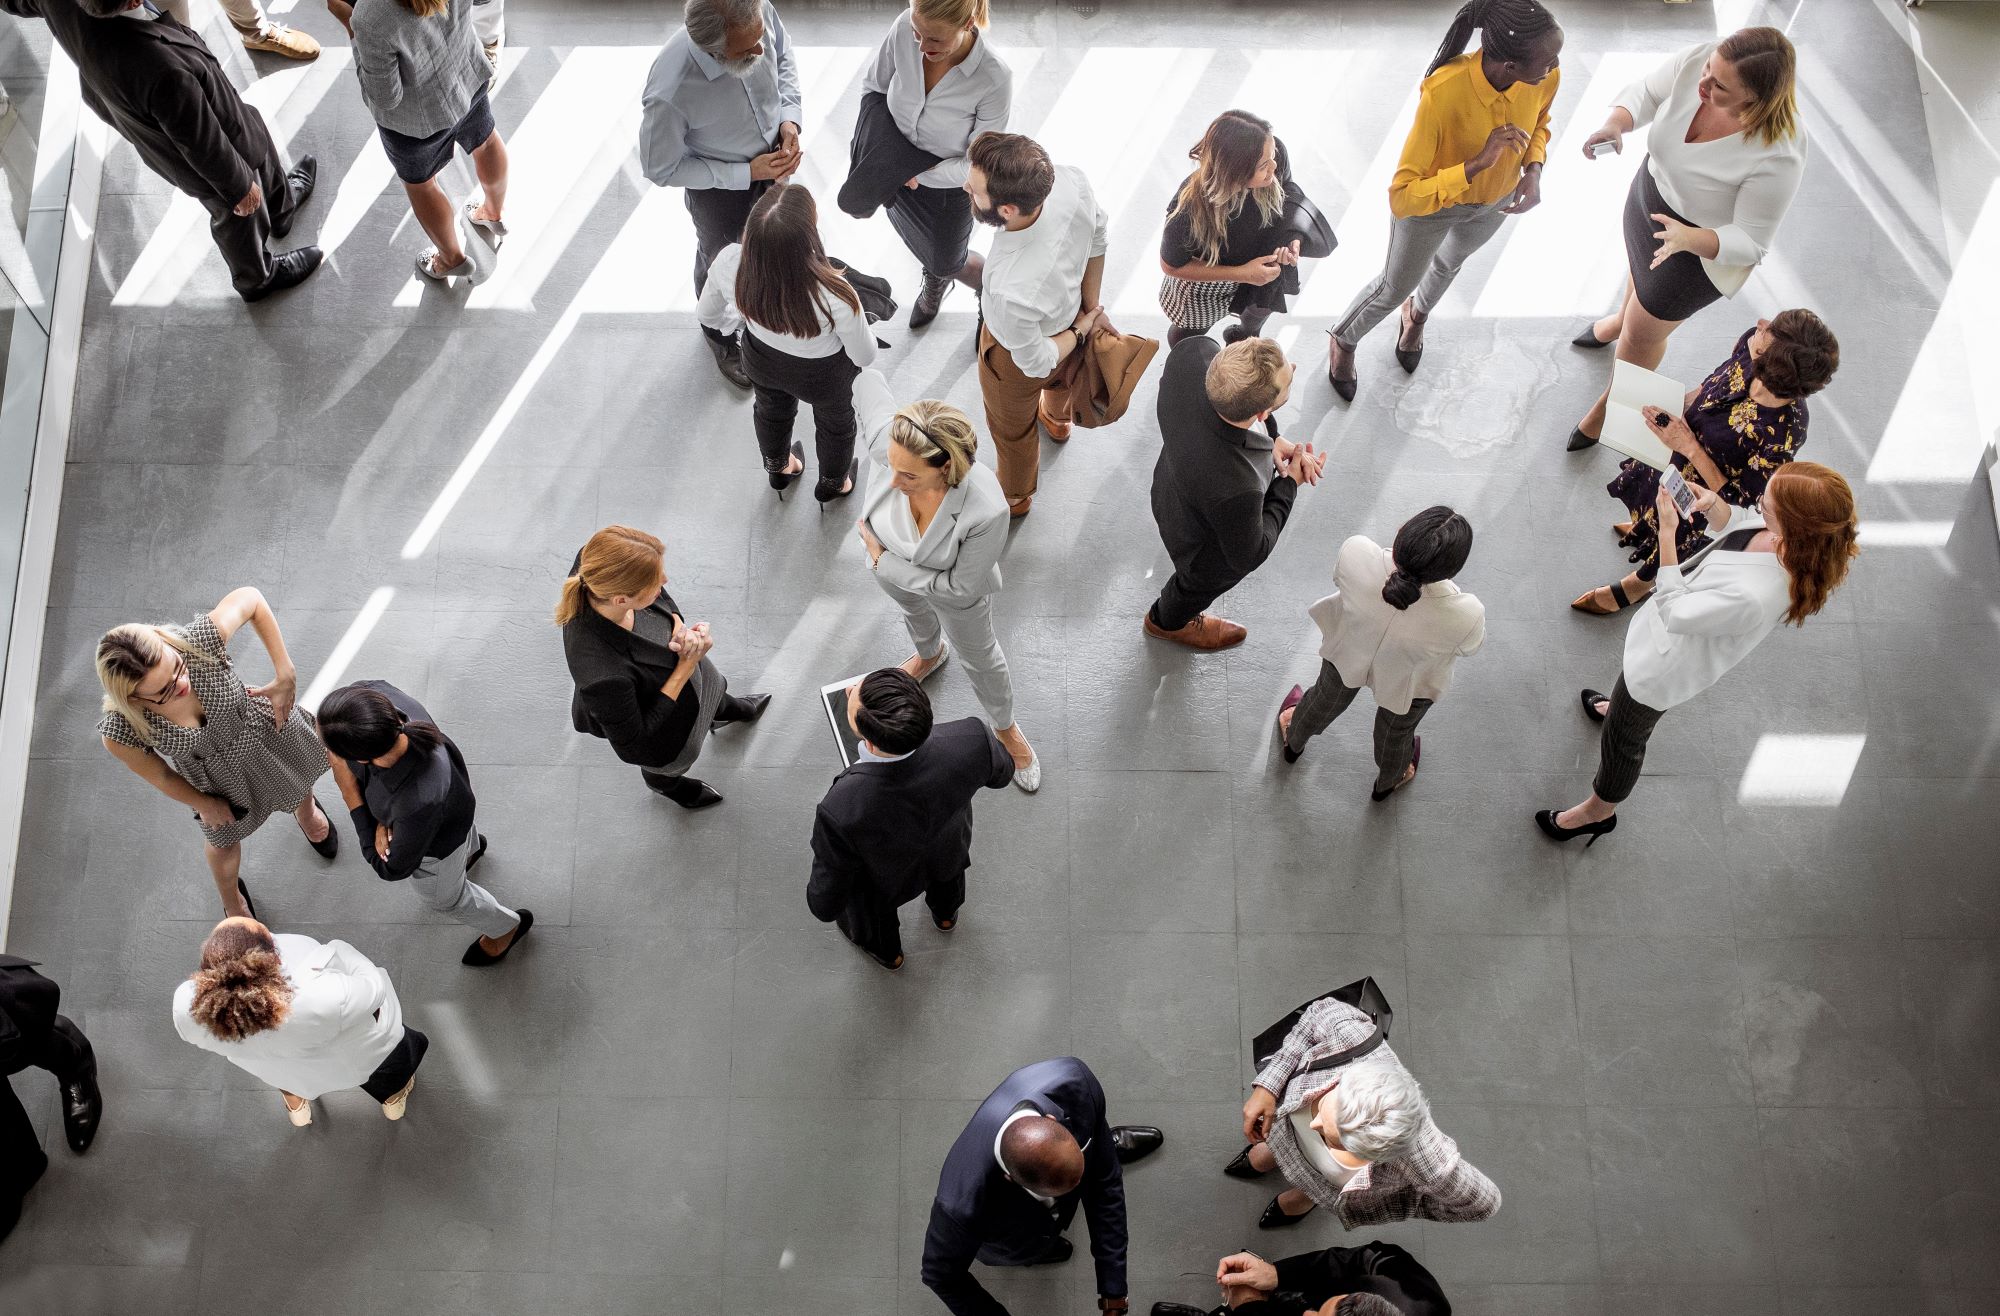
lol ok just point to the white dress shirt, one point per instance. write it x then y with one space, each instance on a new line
343 1023
1403 654
1033 285
844 328
1735 185
703 125
970 99
1704 618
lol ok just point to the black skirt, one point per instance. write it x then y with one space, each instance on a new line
1680 286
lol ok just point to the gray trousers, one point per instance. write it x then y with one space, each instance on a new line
1425 254
1395 733
443 885
969 629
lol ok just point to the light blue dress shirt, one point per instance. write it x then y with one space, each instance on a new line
702 126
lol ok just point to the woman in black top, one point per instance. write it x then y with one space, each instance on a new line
1227 248
643 679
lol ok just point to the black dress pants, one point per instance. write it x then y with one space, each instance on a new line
935 223
781 382
243 239
398 1067
719 215
874 926
1621 748
47 1041
1188 592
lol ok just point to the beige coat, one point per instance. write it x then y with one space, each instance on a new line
1400 656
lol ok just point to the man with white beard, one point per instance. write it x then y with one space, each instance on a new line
722 123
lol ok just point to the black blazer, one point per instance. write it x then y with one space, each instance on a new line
28 1004
886 832
618 676
979 1211
880 160
1218 519
1383 1269
157 84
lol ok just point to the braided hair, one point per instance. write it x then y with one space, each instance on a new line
1507 28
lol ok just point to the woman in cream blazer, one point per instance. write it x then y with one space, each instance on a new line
1780 562
307 1017
934 524
1394 623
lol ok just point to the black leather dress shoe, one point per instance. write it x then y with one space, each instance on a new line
754 707
83 1107
1241 1168
1059 1251
1274 1216
291 269
728 359
1178 1309
688 792
1135 1142
301 179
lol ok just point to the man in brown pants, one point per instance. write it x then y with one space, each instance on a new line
1038 297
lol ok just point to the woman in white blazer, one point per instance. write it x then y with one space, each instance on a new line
1723 160
1779 562
1394 623
934 524
306 1017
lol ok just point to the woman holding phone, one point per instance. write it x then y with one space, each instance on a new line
1226 249
1739 426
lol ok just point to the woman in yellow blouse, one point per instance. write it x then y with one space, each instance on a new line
1473 157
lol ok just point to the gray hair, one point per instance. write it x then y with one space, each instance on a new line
1381 1110
709 21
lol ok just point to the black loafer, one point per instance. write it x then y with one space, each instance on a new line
1241 1168
1135 1142
701 796
83 1107
1578 441
301 179
1590 698
290 270
476 956
476 855
1274 1216
1060 1250
1180 1309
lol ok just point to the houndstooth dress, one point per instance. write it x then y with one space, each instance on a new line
237 752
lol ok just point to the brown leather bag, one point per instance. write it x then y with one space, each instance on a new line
1097 380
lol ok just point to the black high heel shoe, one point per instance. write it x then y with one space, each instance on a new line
783 480
1275 1217
1589 340
1590 698
1555 831
1578 440
828 492
1241 1168
328 846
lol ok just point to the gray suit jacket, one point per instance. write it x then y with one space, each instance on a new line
958 561
418 75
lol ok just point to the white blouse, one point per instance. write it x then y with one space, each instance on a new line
970 99
1735 185
848 330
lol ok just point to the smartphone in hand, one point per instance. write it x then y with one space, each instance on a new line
1677 489
1598 149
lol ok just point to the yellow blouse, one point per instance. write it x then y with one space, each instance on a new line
1457 112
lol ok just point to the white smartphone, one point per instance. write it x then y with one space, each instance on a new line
1677 489
1596 149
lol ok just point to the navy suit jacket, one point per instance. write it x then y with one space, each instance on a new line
979 1213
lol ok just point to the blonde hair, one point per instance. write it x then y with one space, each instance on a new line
938 434
617 560
125 657
1245 378
955 12
1226 158
1764 59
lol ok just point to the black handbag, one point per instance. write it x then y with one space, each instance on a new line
1362 994
1303 220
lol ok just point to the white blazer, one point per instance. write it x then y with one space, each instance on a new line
1400 655
1703 619
344 1022
957 562
1735 185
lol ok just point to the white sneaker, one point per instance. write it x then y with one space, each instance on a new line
1029 779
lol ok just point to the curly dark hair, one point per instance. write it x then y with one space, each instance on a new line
1802 356
240 989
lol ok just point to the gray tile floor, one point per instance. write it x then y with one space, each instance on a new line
1741 1056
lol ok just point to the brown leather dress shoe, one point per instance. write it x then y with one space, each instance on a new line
1204 632
1058 429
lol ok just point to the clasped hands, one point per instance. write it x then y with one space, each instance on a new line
691 641
1247 1270
1266 269
776 166
1298 461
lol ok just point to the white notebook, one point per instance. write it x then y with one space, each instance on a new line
1634 388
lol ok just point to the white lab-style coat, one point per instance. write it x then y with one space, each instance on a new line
1703 619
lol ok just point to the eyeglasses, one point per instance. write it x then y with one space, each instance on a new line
173 685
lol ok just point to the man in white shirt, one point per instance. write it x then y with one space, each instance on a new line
1038 295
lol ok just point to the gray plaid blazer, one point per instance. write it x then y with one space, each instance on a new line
418 75
1430 1180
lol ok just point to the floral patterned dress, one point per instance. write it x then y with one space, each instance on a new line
238 752
1748 442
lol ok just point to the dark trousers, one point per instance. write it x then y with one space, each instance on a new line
1187 592
1395 733
874 926
719 216
243 239
1621 749
398 1067
63 1050
782 381
935 223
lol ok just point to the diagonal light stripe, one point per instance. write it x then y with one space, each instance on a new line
1329 285
344 652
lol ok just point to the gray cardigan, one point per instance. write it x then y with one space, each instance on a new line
418 75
